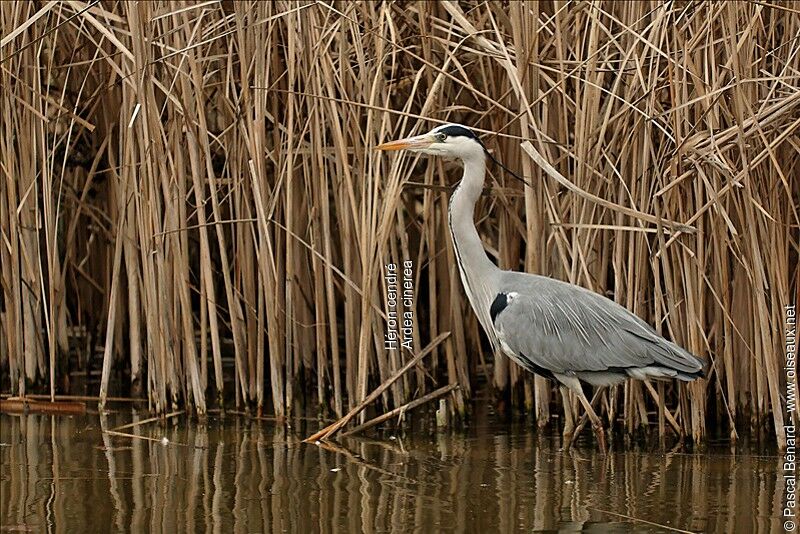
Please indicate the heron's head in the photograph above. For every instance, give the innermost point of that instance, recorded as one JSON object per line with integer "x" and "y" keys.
{"x": 453, "y": 140}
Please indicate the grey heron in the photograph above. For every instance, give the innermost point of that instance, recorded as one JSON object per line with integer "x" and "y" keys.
{"x": 551, "y": 328}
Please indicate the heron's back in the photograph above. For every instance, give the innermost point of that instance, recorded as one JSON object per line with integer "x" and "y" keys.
{"x": 564, "y": 328}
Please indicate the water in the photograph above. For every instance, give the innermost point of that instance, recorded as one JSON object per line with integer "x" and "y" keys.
{"x": 233, "y": 474}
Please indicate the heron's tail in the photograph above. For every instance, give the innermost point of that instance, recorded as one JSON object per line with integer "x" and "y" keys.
{"x": 688, "y": 377}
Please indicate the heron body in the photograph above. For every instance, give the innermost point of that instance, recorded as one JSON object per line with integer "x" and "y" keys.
{"x": 552, "y": 328}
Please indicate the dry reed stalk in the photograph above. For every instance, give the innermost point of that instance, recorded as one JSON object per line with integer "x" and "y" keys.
{"x": 400, "y": 410}
{"x": 79, "y": 398}
{"x": 330, "y": 430}
{"x": 22, "y": 405}
{"x": 194, "y": 182}
{"x": 149, "y": 420}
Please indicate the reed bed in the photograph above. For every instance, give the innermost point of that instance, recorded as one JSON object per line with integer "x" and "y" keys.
{"x": 187, "y": 184}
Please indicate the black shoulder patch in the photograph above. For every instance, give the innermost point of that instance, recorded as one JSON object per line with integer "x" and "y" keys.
{"x": 457, "y": 131}
{"x": 536, "y": 369}
{"x": 499, "y": 304}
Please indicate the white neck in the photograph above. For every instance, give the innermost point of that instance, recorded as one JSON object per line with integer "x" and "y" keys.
{"x": 475, "y": 267}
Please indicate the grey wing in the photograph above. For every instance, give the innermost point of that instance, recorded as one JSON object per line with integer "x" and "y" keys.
{"x": 561, "y": 328}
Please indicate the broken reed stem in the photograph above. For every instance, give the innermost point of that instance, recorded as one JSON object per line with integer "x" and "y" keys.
{"x": 330, "y": 430}
{"x": 638, "y": 520}
{"x": 145, "y": 438}
{"x": 558, "y": 177}
{"x": 28, "y": 405}
{"x": 150, "y": 420}
{"x": 402, "y": 409}
{"x": 78, "y": 398}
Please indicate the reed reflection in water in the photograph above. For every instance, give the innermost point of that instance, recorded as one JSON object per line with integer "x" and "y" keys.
{"x": 232, "y": 474}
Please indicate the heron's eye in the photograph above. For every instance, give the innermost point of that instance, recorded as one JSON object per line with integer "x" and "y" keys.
{"x": 441, "y": 137}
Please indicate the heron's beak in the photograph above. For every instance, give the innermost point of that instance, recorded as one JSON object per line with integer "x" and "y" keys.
{"x": 409, "y": 143}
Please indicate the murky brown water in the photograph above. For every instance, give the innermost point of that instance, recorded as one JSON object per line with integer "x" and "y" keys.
{"x": 63, "y": 474}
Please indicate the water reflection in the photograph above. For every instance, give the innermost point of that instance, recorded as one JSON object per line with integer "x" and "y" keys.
{"x": 63, "y": 474}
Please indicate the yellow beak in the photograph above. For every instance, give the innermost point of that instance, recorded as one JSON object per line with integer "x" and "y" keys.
{"x": 409, "y": 143}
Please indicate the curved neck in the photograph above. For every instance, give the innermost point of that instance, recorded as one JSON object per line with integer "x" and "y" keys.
{"x": 476, "y": 269}
{"x": 469, "y": 248}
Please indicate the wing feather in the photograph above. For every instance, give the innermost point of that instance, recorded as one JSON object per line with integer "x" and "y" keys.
{"x": 564, "y": 328}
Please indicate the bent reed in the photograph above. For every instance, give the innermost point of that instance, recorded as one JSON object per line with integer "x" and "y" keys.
{"x": 191, "y": 189}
